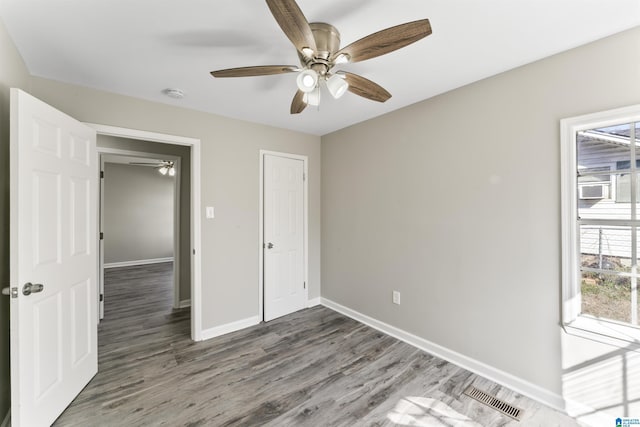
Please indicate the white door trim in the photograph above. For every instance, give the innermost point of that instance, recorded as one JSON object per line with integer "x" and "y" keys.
{"x": 196, "y": 269}
{"x": 305, "y": 161}
{"x": 176, "y": 215}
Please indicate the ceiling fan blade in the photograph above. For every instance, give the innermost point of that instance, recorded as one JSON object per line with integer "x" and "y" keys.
{"x": 386, "y": 41}
{"x": 146, "y": 164}
{"x": 293, "y": 22}
{"x": 298, "y": 104}
{"x": 365, "y": 87}
{"x": 260, "y": 70}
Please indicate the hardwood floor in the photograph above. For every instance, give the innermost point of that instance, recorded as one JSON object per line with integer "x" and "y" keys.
{"x": 315, "y": 367}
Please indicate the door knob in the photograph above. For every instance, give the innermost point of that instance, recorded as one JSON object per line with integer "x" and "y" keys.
{"x": 29, "y": 288}
{"x": 269, "y": 245}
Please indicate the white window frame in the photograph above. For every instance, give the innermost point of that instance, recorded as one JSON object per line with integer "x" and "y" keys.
{"x": 572, "y": 320}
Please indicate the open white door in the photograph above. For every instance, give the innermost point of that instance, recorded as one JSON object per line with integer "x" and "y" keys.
{"x": 284, "y": 224}
{"x": 101, "y": 241}
{"x": 53, "y": 238}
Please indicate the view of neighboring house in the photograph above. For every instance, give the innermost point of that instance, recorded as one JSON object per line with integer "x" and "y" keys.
{"x": 608, "y": 196}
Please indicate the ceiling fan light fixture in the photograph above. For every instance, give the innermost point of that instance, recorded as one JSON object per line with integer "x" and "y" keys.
{"x": 163, "y": 170}
{"x": 307, "y": 52}
{"x": 172, "y": 171}
{"x": 337, "y": 86}
{"x": 313, "y": 97}
{"x": 343, "y": 58}
{"x": 307, "y": 80}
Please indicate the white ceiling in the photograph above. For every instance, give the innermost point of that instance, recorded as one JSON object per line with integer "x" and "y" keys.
{"x": 140, "y": 47}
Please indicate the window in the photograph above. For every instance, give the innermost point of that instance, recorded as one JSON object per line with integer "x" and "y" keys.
{"x": 601, "y": 219}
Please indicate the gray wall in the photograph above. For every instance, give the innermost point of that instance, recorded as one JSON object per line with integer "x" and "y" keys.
{"x": 230, "y": 182}
{"x": 184, "y": 153}
{"x": 13, "y": 73}
{"x": 138, "y": 213}
{"x": 455, "y": 202}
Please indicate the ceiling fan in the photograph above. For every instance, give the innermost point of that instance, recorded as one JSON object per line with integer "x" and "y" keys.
{"x": 318, "y": 46}
{"x": 164, "y": 166}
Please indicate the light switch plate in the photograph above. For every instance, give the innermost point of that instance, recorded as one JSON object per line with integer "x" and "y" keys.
{"x": 396, "y": 297}
{"x": 210, "y": 212}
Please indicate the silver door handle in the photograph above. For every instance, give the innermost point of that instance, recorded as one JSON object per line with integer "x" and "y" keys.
{"x": 29, "y": 288}
{"x": 269, "y": 245}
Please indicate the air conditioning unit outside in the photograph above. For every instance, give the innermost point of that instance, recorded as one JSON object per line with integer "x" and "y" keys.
{"x": 593, "y": 191}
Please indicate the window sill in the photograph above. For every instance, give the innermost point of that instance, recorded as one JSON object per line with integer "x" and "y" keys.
{"x": 611, "y": 333}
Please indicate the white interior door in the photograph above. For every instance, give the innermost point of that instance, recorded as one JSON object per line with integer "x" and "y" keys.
{"x": 284, "y": 259}
{"x": 101, "y": 294}
{"x": 53, "y": 242}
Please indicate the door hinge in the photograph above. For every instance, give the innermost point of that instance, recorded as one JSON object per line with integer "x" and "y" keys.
{"x": 101, "y": 174}
{"x": 101, "y": 235}
{"x": 101, "y": 297}
{"x": 304, "y": 176}
{"x": 304, "y": 284}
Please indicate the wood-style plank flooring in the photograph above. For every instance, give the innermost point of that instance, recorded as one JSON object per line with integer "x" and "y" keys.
{"x": 315, "y": 367}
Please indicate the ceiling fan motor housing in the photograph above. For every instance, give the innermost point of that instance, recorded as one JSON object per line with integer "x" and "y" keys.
{"x": 327, "y": 39}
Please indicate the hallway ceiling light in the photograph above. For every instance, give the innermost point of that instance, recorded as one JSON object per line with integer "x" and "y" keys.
{"x": 164, "y": 167}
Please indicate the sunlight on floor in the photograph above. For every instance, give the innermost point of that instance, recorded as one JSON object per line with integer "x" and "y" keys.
{"x": 422, "y": 411}
{"x": 603, "y": 386}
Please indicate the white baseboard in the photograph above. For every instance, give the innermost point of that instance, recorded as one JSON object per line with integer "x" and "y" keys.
{"x": 184, "y": 303}
{"x": 313, "y": 302}
{"x": 496, "y": 375}
{"x": 229, "y": 327}
{"x": 137, "y": 262}
{"x": 6, "y": 422}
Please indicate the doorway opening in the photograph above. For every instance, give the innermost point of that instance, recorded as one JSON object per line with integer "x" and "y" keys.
{"x": 140, "y": 218}
{"x": 187, "y": 247}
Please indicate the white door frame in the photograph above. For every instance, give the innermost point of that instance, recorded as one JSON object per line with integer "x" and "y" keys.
{"x": 261, "y": 242}
{"x": 196, "y": 269}
{"x": 176, "y": 214}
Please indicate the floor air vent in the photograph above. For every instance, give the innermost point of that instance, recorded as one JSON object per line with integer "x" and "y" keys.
{"x": 494, "y": 402}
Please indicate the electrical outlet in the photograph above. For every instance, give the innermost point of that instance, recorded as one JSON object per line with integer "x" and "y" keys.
{"x": 396, "y": 297}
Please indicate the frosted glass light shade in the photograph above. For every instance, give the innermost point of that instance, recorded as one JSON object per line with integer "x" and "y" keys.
{"x": 343, "y": 58}
{"x": 313, "y": 97}
{"x": 307, "y": 80}
{"x": 337, "y": 86}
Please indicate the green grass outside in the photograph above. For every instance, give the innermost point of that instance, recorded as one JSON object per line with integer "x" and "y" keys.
{"x": 606, "y": 299}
